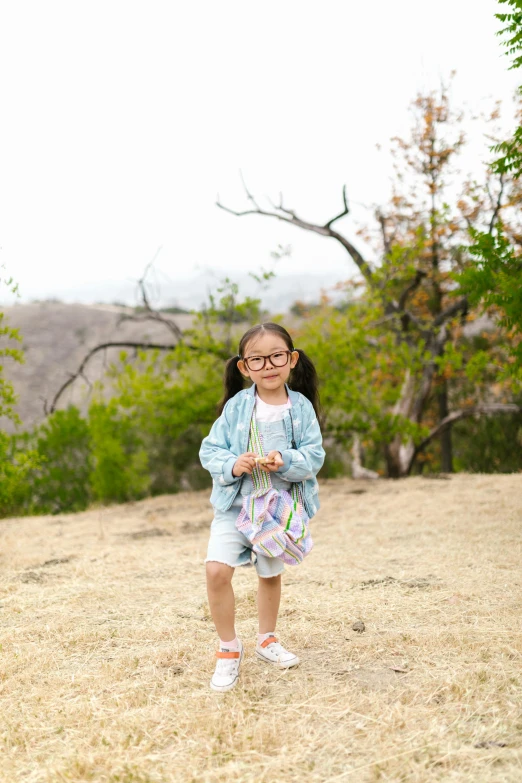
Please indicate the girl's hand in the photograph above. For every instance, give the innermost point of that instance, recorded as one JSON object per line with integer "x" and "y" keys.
{"x": 245, "y": 463}
{"x": 274, "y": 462}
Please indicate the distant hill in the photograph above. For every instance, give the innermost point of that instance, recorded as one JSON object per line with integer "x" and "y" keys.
{"x": 59, "y": 332}
{"x": 191, "y": 293}
{"x": 56, "y": 338}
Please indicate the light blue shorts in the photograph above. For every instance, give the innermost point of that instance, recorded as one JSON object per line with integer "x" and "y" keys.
{"x": 229, "y": 546}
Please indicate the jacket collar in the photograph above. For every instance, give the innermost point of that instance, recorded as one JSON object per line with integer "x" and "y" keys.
{"x": 294, "y": 396}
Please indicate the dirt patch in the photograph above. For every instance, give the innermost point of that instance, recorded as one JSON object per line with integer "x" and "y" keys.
{"x": 418, "y": 583}
{"x": 152, "y": 532}
{"x": 31, "y": 577}
{"x": 375, "y": 679}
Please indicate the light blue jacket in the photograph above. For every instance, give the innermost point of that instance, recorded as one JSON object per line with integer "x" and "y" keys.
{"x": 228, "y": 438}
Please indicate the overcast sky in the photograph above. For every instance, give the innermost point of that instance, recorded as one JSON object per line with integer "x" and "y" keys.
{"x": 121, "y": 121}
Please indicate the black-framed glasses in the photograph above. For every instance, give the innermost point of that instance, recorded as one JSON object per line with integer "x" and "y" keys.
{"x": 277, "y": 359}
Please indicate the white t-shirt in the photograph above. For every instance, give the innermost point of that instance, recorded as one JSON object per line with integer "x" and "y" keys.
{"x": 266, "y": 412}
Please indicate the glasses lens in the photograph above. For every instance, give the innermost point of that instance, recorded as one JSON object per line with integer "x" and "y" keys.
{"x": 279, "y": 359}
{"x": 255, "y": 362}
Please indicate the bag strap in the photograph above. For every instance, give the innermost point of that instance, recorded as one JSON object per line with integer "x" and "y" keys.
{"x": 261, "y": 478}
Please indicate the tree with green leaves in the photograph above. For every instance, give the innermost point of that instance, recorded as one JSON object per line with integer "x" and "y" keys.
{"x": 393, "y": 359}
{"x": 510, "y": 151}
{"x": 494, "y": 280}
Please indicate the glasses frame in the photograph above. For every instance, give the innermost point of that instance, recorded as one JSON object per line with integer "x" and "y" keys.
{"x": 259, "y": 369}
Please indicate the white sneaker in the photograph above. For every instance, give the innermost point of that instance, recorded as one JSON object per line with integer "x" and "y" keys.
{"x": 226, "y": 674}
{"x": 270, "y": 650}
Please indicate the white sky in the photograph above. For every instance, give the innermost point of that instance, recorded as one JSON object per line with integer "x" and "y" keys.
{"x": 121, "y": 121}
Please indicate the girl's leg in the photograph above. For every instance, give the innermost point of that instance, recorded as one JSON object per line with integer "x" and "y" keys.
{"x": 268, "y": 648}
{"x": 268, "y": 600}
{"x": 221, "y": 598}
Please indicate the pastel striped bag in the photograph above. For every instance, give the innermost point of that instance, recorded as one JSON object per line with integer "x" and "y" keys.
{"x": 274, "y": 521}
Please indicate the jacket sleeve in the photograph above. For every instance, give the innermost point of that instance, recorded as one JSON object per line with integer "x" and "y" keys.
{"x": 215, "y": 454}
{"x": 306, "y": 461}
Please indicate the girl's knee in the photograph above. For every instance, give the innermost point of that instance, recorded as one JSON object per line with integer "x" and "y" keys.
{"x": 218, "y": 574}
{"x": 270, "y": 580}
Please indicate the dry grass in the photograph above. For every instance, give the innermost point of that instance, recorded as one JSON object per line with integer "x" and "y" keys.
{"x": 107, "y": 646}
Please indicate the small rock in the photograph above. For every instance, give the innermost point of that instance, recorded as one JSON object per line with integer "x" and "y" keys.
{"x": 359, "y": 626}
{"x": 149, "y": 533}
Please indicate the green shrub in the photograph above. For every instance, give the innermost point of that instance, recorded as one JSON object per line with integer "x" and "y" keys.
{"x": 120, "y": 469}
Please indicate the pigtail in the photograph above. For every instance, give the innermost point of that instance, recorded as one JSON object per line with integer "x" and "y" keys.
{"x": 304, "y": 379}
{"x": 233, "y": 381}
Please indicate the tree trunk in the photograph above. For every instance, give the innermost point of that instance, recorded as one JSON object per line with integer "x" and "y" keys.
{"x": 392, "y": 463}
{"x": 399, "y": 457}
{"x": 358, "y": 471}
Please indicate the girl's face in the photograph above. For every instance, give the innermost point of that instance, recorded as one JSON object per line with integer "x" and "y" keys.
{"x": 277, "y": 364}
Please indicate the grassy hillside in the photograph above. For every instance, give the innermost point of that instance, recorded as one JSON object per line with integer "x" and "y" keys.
{"x": 107, "y": 644}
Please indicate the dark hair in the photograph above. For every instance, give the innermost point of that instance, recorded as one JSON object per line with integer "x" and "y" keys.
{"x": 303, "y": 377}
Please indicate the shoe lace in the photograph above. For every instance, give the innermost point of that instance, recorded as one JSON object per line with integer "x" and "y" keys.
{"x": 276, "y": 648}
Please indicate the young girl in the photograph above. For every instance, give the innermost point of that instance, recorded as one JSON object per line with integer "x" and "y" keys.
{"x": 287, "y": 420}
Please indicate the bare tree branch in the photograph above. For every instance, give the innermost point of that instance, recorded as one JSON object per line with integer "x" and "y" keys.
{"x": 250, "y": 197}
{"x": 80, "y": 371}
{"x": 423, "y": 391}
{"x": 498, "y": 205}
{"x": 405, "y": 316}
{"x": 476, "y": 410}
{"x": 449, "y": 312}
{"x": 87, "y": 381}
{"x": 393, "y": 311}
{"x": 154, "y": 316}
{"x": 385, "y": 239}
{"x": 345, "y": 211}
{"x": 150, "y": 313}
{"x": 280, "y": 212}
{"x": 419, "y": 275}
